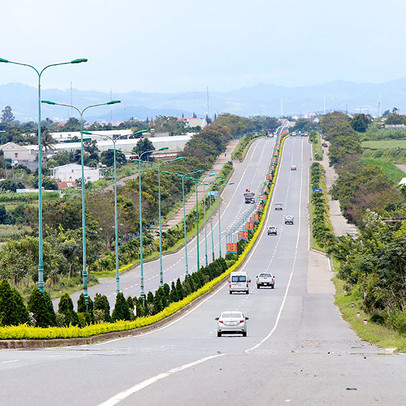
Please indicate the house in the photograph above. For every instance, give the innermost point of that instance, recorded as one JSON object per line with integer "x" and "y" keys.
{"x": 18, "y": 153}
{"x": 71, "y": 172}
{"x": 194, "y": 122}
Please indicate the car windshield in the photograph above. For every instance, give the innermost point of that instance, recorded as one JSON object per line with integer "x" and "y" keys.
{"x": 231, "y": 315}
{"x": 238, "y": 278}
{"x": 265, "y": 275}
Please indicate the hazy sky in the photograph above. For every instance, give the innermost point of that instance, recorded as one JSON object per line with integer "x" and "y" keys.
{"x": 179, "y": 45}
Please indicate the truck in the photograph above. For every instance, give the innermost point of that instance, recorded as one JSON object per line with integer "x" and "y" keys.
{"x": 249, "y": 197}
{"x": 266, "y": 279}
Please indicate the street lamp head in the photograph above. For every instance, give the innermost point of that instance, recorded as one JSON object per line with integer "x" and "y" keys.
{"x": 87, "y": 132}
{"x": 199, "y": 171}
{"x": 3, "y": 60}
{"x": 141, "y": 132}
{"x": 113, "y": 102}
{"x": 48, "y": 102}
{"x": 212, "y": 174}
{"x": 80, "y": 60}
{"x": 179, "y": 158}
{"x": 162, "y": 148}
{"x": 166, "y": 172}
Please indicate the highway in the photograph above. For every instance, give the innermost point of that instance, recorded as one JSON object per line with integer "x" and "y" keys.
{"x": 248, "y": 174}
{"x": 298, "y": 350}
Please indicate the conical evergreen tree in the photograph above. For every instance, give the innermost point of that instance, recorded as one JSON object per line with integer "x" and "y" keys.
{"x": 20, "y": 311}
{"x": 101, "y": 303}
{"x": 66, "y": 308}
{"x": 7, "y": 305}
{"x": 121, "y": 310}
{"x": 40, "y": 305}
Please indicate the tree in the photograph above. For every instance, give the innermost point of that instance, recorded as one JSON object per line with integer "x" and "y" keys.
{"x": 49, "y": 184}
{"x": 40, "y": 305}
{"x": 101, "y": 303}
{"x": 11, "y": 185}
{"x": 7, "y": 304}
{"x": 47, "y": 142}
{"x": 107, "y": 158}
{"x": 121, "y": 310}
{"x": 144, "y": 145}
{"x": 7, "y": 115}
{"x": 66, "y": 309}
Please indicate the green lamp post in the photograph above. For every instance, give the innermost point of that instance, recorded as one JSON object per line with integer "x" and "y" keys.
{"x": 217, "y": 187}
{"x": 139, "y": 160}
{"x": 114, "y": 140}
{"x": 81, "y": 112}
{"x": 161, "y": 275}
{"x": 40, "y": 244}
{"x": 183, "y": 176}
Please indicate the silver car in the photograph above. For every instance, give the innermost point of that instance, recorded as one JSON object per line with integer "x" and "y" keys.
{"x": 232, "y": 322}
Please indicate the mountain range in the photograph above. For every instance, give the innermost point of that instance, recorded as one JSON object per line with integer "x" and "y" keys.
{"x": 262, "y": 99}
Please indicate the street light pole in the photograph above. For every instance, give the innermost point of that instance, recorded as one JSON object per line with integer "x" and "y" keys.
{"x": 183, "y": 175}
{"x": 161, "y": 275}
{"x": 142, "y": 292}
{"x": 40, "y": 242}
{"x": 81, "y": 112}
{"x": 113, "y": 140}
{"x": 218, "y": 189}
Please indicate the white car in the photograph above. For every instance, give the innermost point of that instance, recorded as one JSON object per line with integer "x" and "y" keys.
{"x": 289, "y": 220}
{"x": 293, "y": 167}
{"x": 232, "y": 322}
{"x": 272, "y": 230}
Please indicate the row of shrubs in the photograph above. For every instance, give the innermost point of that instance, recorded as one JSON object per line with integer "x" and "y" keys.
{"x": 242, "y": 147}
{"x": 39, "y": 311}
{"x": 314, "y": 138}
{"x": 321, "y": 226}
{"x": 129, "y": 251}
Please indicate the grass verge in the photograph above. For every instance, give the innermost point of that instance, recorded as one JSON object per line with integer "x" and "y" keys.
{"x": 374, "y": 333}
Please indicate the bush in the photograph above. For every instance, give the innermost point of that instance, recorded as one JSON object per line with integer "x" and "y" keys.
{"x": 121, "y": 310}
{"x": 66, "y": 309}
{"x": 12, "y": 308}
{"x": 102, "y": 306}
{"x": 40, "y": 305}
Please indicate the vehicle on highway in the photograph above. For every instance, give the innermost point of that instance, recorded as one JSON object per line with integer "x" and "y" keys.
{"x": 288, "y": 219}
{"x": 239, "y": 282}
{"x": 232, "y": 322}
{"x": 249, "y": 197}
{"x": 265, "y": 279}
{"x": 278, "y": 206}
{"x": 293, "y": 167}
{"x": 272, "y": 230}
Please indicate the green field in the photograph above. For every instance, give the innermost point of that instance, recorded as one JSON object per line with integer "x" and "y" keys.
{"x": 384, "y": 144}
{"x": 390, "y": 169}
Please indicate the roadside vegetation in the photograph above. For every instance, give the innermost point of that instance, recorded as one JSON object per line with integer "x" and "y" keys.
{"x": 371, "y": 266}
{"x": 38, "y": 319}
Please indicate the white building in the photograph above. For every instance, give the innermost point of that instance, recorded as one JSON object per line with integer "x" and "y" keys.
{"x": 19, "y": 153}
{"x": 71, "y": 172}
{"x": 70, "y": 135}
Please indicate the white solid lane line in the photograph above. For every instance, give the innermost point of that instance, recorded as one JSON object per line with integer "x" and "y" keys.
{"x": 10, "y": 361}
{"x": 114, "y": 400}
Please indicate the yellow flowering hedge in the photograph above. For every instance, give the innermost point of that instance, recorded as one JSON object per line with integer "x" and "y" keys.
{"x": 28, "y": 332}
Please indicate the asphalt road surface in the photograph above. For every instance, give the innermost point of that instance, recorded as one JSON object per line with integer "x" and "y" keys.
{"x": 298, "y": 350}
{"x": 249, "y": 174}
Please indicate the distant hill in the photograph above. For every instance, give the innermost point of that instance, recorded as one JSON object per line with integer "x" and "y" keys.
{"x": 260, "y": 99}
